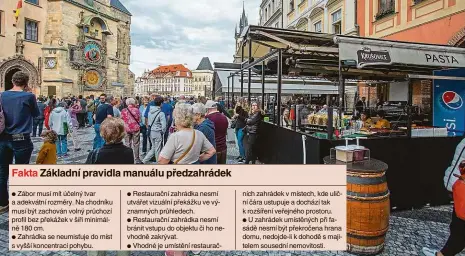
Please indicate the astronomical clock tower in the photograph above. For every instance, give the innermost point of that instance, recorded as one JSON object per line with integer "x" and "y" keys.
{"x": 87, "y": 48}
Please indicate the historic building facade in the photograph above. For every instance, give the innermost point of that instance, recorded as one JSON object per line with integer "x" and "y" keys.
{"x": 173, "y": 80}
{"x": 271, "y": 13}
{"x": 203, "y": 78}
{"x": 326, "y": 16}
{"x": 425, "y": 21}
{"x": 67, "y": 46}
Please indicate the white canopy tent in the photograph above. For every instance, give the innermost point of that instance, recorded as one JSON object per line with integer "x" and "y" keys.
{"x": 289, "y": 86}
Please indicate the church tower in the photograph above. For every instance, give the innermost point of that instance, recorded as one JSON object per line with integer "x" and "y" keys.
{"x": 239, "y": 29}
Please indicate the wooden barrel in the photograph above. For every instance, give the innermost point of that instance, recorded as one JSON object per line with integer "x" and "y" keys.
{"x": 368, "y": 206}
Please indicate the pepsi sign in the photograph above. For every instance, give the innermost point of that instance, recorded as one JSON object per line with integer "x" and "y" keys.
{"x": 448, "y": 105}
{"x": 452, "y": 100}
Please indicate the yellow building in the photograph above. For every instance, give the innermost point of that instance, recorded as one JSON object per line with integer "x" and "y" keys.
{"x": 326, "y": 16}
{"x": 203, "y": 78}
{"x": 68, "y": 47}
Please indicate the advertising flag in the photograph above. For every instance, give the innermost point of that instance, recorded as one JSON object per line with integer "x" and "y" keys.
{"x": 448, "y": 102}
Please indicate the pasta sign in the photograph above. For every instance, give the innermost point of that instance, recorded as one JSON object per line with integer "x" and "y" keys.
{"x": 444, "y": 59}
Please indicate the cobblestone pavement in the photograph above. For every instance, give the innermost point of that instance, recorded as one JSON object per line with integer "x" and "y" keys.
{"x": 409, "y": 230}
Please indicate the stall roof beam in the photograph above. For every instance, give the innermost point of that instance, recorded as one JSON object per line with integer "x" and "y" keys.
{"x": 276, "y": 38}
{"x": 257, "y": 61}
{"x": 436, "y": 77}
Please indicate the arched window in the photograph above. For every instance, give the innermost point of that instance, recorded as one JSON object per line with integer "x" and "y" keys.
{"x": 302, "y": 24}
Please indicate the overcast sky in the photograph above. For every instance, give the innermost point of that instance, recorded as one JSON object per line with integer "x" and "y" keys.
{"x": 183, "y": 31}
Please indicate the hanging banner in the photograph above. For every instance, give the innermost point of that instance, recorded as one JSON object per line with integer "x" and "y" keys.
{"x": 448, "y": 102}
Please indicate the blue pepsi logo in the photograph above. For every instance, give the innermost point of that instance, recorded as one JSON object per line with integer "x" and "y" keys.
{"x": 452, "y": 100}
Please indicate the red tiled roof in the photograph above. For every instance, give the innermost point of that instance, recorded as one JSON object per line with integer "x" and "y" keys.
{"x": 184, "y": 72}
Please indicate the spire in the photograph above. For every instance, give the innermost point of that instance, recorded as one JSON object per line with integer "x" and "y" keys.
{"x": 235, "y": 29}
{"x": 244, "y": 17}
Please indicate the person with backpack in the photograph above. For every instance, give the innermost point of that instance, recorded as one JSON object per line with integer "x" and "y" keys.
{"x": 60, "y": 122}
{"x": 156, "y": 127}
{"x": 454, "y": 181}
{"x": 131, "y": 118}
{"x": 18, "y": 107}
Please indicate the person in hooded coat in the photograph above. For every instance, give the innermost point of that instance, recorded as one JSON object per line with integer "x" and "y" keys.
{"x": 206, "y": 126}
{"x": 156, "y": 127}
{"x": 60, "y": 122}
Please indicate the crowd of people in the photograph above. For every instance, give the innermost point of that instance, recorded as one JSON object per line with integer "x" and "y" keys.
{"x": 171, "y": 131}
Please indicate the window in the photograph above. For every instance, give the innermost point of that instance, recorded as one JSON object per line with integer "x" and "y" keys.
{"x": 385, "y": 7}
{"x": 31, "y": 28}
{"x": 336, "y": 18}
{"x": 291, "y": 5}
{"x": 317, "y": 26}
{"x": 71, "y": 54}
{"x": 36, "y": 2}
{"x": 273, "y": 6}
{"x": 276, "y": 25}
{"x": 266, "y": 14}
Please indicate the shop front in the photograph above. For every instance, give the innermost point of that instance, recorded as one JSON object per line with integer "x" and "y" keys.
{"x": 416, "y": 147}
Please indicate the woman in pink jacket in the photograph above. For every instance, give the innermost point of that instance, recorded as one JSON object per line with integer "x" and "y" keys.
{"x": 132, "y": 120}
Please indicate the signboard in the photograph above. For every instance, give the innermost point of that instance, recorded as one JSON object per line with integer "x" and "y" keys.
{"x": 448, "y": 102}
{"x": 366, "y": 57}
{"x": 371, "y": 52}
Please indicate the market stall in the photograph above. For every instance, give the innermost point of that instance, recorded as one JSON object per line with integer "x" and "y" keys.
{"x": 417, "y": 154}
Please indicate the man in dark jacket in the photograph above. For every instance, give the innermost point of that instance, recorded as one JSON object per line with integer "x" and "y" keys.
{"x": 38, "y": 122}
{"x": 240, "y": 119}
{"x": 219, "y": 107}
{"x": 83, "y": 113}
{"x": 221, "y": 130}
{"x": 253, "y": 126}
{"x": 19, "y": 109}
{"x": 206, "y": 126}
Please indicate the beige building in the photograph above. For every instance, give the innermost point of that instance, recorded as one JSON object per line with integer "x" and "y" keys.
{"x": 67, "y": 47}
{"x": 271, "y": 13}
{"x": 173, "y": 80}
{"x": 326, "y": 16}
{"x": 203, "y": 78}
